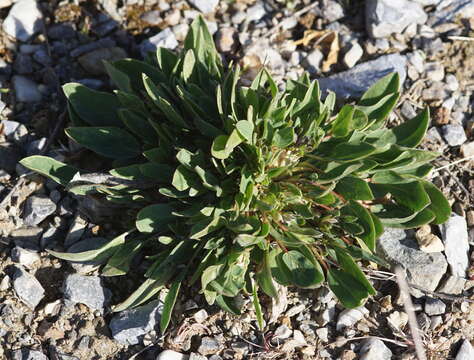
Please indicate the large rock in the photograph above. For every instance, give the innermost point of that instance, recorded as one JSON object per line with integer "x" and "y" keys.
{"x": 465, "y": 352}
{"x": 87, "y": 290}
{"x": 451, "y": 11}
{"x": 422, "y": 269}
{"x": 28, "y": 289}
{"x": 93, "y": 62}
{"x": 24, "y": 20}
{"x": 385, "y": 17}
{"x": 130, "y": 325}
{"x": 37, "y": 209}
{"x": 354, "y": 82}
{"x": 456, "y": 244}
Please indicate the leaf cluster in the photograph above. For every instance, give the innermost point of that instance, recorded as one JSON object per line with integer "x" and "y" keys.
{"x": 240, "y": 187}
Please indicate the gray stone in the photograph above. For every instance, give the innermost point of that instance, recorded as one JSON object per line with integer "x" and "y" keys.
{"x": 130, "y": 325}
{"x": 24, "y": 20}
{"x": 102, "y": 43}
{"x": 14, "y": 131}
{"x": 353, "y": 55}
{"x": 456, "y": 244}
{"x": 93, "y": 62}
{"x": 24, "y": 257}
{"x": 349, "y": 317}
{"x": 37, "y": 209}
{"x": 434, "y": 307}
{"x": 374, "y": 349}
{"x": 354, "y": 82}
{"x": 205, "y": 6}
{"x": 87, "y": 290}
{"x": 209, "y": 345}
{"x": 312, "y": 62}
{"x": 282, "y": 332}
{"x": 153, "y": 17}
{"x": 61, "y": 32}
{"x": 256, "y": 12}
{"x": 452, "y": 285}
{"x": 332, "y": 11}
{"x": 171, "y": 355}
{"x": 26, "y": 90}
{"x": 41, "y": 56}
{"x": 28, "y": 289}
{"x": 452, "y": 10}
{"x": 23, "y": 64}
{"x": 422, "y": 269}
{"x": 385, "y": 17}
{"x": 465, "y": 352}
{"x": 267, "y": 55}
{"x": 93, "y": 243}
{"x": 28, "y": 354}
{"x": 165, "y": 39}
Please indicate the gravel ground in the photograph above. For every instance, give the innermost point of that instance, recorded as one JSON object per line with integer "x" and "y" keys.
{"x": 53, "y": 309}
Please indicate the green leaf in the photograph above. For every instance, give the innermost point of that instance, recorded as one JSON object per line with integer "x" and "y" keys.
{"x": 354, "y": 188}
{"x": 138, "y": 125}
{"x": 227, "y": 304}
{"x": 53, "y": 169}
{"x": 257, "y": 306}
{"x": 425, "y": 216}
{"x": 284, "y": 137}
{"x": 94, "y": 107}
{"x": 342, "y": 124}
{"x": 365, "y": 219}
{"x": 245, "y": 129}
{"x": 411, "y": 195}
{"x": 119, "y": 78}
{"x": 348, "y": 290}
{"x": 264, "y": 276}
{"x": 204, "y": 227}
{"x": 303, "y": 272}
{"x": 154, "y": 218}
{"x": 119, "y": 263}
{"x": 439, "y": 204}
{"x": 351, "y": 151}
{"x": 387, "y": 85}
{"x": 111, "y": 142}
{"x": 410, "y": 133}
{"x": 168, "y": 305}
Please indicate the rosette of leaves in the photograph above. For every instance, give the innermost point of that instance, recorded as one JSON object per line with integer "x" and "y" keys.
{"x": 240, "y": 188}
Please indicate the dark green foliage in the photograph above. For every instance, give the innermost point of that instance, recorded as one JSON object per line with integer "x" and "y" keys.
{"x": 242, "y": 187}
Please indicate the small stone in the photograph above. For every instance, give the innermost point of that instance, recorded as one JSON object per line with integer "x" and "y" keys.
{"x": 283, "y": 332}
{"x": 289, "y": 23}
{"x": 61, "y": 32}
{"x": 24, "y": 257}
{"x": 322, "y": 334}
{"x": 434, "y": 71}
{"x": 227, "y": 39}
{"x": 87, "y": 290}
{"x": 5, "y": 3}
{"x": 467, "y": 150}
{"x": 37, "y": 209}
{"x": 28, "y": 354}
{"x": 312, "y": 62}
{"x": 349, "y": 317}
{"x": 93, "y": 62}
{"x": 332, "y": 11}
{"x": 295, "y": 310}
{"x": 437, "y": 91}
{"x": 424, "y": 321}
{"x": 354, "y": 54}
{"x": 129, "y": 326}
{"x": 200, "y": 316}
{"x": 239, "y": 17}
{"x": 102, "y": 43}
{"x": 454, "y": 134}
{"x": 385, "y": 17}
{"x": 173, "y": 18}
{"x": 23, "y": 64}
{"x": 256, "y": 12}
{"x": 434, "y": 307}
{"x": 205, "y": 6}
{"x": 153, "y": 17}
{"x": 165, "y": 39}
{"x": 42, "y": 57}
{"x": 28, "y": 289}
{"x": 76, "y": 230}
{"x": 417, "y": 59}
{"x": 209, "y": 346}
{"x": 456, "y": 243}
{"x": 427, "y": 241}
{"x": 52, "y": 308}
{"x": 397, "y": 321}
{"x": 374, "y": 349}
{"x": 453, "y": 285}
{"x": 465, "y": 352}
{"x": 452, "y": 82}
{"x": 24, "y": 20}
{"x": 435, "y": 321}
{"x": 171, "y": 355}
{"x": 26, "y": 90}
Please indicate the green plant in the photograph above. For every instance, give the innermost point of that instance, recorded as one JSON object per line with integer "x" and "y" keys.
{"x": 242, "y": 187}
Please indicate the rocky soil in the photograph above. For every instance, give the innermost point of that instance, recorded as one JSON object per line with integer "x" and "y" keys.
{"x": 53, "y": 309}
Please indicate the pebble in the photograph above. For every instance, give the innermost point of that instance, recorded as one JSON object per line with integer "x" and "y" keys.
{"x": 465, "y": 352}
{"x": 294, "y": 310}
{"x": 200, "y": 316}
{"x": 400, "y": 248}
{"x": 226, "y": 39}
{"x": 455, "y": 236}
{"x": 434, "y": 71}
{"x": 209, "y": 345}
{"x": 283, "y": 332}
{"x": 349, "y": 317}
{"x": 171, "y": 355}
{"x": 23, "y": 64}
{"x": 256, "y": 12}
{"x": 205, "y": 6}
{"x": 165, "y": 39}
{"x": 374, "y": 349}
{"x": 312, "y": 62}
{"x": 26, "y": 90}
{"x": 397, "y": 320}
{"x": 452, "y": 82}
{"x": 24, "y": 257}
{"x": 434, "y": 307}
{"x": 452, "y": 285}
{"x": 129, "y": 326}
{"x": 437, "y": 91}
{"x": 332, "y": 11}
{"x": 385, "y": 17}
{"x": 61, "y": 31}
{"x": 37, "y": 209}
{"x": 24, "y": 20}
{"x": 173, "y": 18}
{"x": 92, "y": 62}
{"x": 323, "y": 334}
{"x": 354, "y": 82}
{"x": 467, "y": 149}
{"x": 102, "y": 43}
{"x": 28, "y": 354}
{"x": 353, "y": 55}
{"x": 417, "y": 59}
{"x": 427, "y": 241}
{"x": 52, "y": 308}
{"x": 435, "y": 321}
{"x": 5, "y": 283}
{"x": 76, "y": 230}
{"x": 87, "y": 290}
{"x": 267, "y": 55}
{"x": 27, "y": 287}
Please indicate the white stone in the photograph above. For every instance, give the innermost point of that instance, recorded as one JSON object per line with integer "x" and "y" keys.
{"x": 205, "y": 6}
{"x": 456, "y": 243}
{"x": 26, "y": 90}
{"x": 200, "y": 316}
{"x": 350, "y": 317}
{"x": 52, "y": 308}
{"x": 312, "y": 62}
{"x": 434, "y": 71}
{"x": 465, "y": 352}
{"x": 171, "y": 355}
{"x": 165, "y": 39}
{"x": 23, "y": 20}
{"x": 25, "y": 257}
{"x": 454, "y": 134}
{"x": 374, "y": 349}
{"x": 353, "y": 55}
